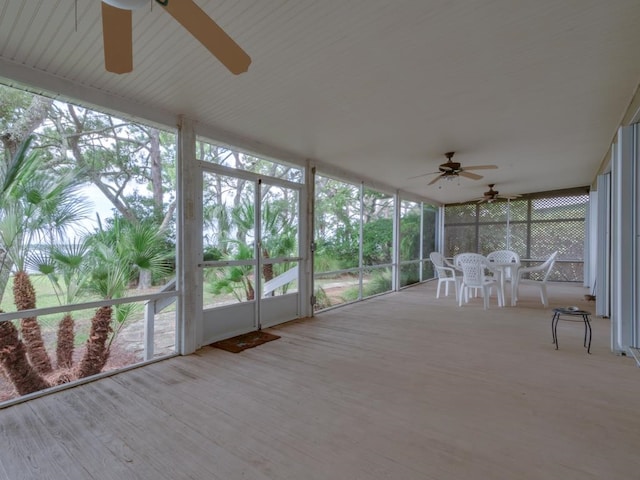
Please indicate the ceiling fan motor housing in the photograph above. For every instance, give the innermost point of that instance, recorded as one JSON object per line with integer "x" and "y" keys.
{"x": 450, "y": 167}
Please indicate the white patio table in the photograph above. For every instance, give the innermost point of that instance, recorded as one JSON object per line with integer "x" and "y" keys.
{"x": 504, "y": 269}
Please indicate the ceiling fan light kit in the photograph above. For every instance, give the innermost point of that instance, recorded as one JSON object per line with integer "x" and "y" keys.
{"x": 117, "y": 32}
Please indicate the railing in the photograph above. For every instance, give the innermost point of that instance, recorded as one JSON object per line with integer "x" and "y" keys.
{"x": 282, "y": 279}
{"x": 152, "y": 307}
{"x": 156, "y": 302}
{"x": 159, "y": 300}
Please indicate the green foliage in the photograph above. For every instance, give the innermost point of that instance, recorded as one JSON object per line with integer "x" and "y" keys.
{"x": 13, "y": 104}
{"x": 379, "y": 282}
{"x": 409, "y": 274}
{"x": 122, "y": 313}
{"x": 350, "y": 294}
{"x": 337, "y": 214}
{"x": 66, "y": 266}
{"x": 377, "y": 241}
{"x": 36, "y": 205}
{"x": 324, "y": 260}
{"x": 410, "y": 236}
{"x": 233, "y": 280}
{"x": 322, "y": 299}
{"x": 337, "y": 254}
{"x": 211, "y": 254}
{"x": 121, "y": 251}
{"x": 110, "y": 273}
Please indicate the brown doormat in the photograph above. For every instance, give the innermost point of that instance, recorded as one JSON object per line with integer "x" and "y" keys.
{"x": 242, "y": 342}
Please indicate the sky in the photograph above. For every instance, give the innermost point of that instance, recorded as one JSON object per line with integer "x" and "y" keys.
{"x": 100, "y": 205}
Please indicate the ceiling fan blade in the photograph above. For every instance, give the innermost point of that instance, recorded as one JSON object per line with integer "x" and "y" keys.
{"x": 435, "y": 180}
{"x": 473, "y": 176}
{"x": 203, "y": 28}
{"x": 118, "y": 39}
{"x": 481, "y": 167}
{"x": 423, "y": 175}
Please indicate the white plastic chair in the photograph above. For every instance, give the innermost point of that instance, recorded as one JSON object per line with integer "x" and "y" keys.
{"x": 446, "y": 274}
{"x": 474, "y": 266}
{"x": 505, "y": 256}
{"x": 505, "y": 263}
{"x": 545, "y": 269}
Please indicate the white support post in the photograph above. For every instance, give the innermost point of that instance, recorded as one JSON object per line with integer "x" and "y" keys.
{"x": 360, "y": 244}
{"x": 422, "y": 260}
{"x": 623, "y": 241}
{"x": 603, "y": 247}
{"x": 307, "y": 232}
{"x": 149, "y": 318}
{"x": 396, "y": 242}
{"x": 189, "y": 241}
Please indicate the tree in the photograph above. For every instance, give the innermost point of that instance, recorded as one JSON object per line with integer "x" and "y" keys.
{"x": 279, "y": 240}
{"x": 66, "y": 267}
{"x": 13, "y": 358}
{"x": 38, "y": 202}
{"x": 21, "y": 114}
{"x": 35, "y": 207}
{"x": 117, "y": 156}
{"x": 337, "y": 223}
{"x": 278, "y": 232}
{"x": 235, "y": 280}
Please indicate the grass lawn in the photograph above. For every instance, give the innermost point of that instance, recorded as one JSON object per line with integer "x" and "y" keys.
{"x": 45, "y": 297}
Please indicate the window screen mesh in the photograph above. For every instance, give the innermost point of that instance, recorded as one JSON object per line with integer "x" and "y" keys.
{"x": 535, "y": 228}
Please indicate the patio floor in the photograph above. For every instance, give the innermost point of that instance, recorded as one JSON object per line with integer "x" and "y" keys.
{"x": 402, "y": 386}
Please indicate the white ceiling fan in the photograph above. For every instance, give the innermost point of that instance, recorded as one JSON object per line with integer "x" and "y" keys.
{"x": 117, "y": 31}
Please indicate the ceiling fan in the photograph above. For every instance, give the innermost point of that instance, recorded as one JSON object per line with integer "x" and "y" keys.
{"x": 118, "y": 37}
{"x": 491, "y": 195}
{"x": 450, "y": 170}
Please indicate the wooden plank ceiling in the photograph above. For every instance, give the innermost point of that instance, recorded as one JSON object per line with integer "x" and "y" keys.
{"x": 379, "y": 88}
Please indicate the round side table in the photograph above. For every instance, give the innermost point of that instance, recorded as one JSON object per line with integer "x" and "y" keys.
{"x": 571, "y": 315}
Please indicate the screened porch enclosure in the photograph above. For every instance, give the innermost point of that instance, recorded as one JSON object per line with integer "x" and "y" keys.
{"x": 251, "y": 250}
{"x": 262, "y": 241}
{"x": 272, "y": 242}
{"x": 367, "y": 242}
{"x": 534, "y": 226}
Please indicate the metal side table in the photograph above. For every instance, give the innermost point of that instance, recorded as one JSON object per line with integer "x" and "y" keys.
{"x": 570, "y": 314}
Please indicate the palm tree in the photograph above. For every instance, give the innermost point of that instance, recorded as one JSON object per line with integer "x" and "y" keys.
{"x": 36, "y": 206}
{"x": 278, "y": 234}
{"x": 117, "y": 256}
{"x": 109, "y": 279}
{"x": 13, "y": 358}
{"x": 66, "y": 268}
{"x": 235, "y": 280}
{"x": 143, "y": 244}
{"x": 13, "y": 174}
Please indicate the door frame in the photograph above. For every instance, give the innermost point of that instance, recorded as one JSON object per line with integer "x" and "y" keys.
{"x": 235, "y": 319}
